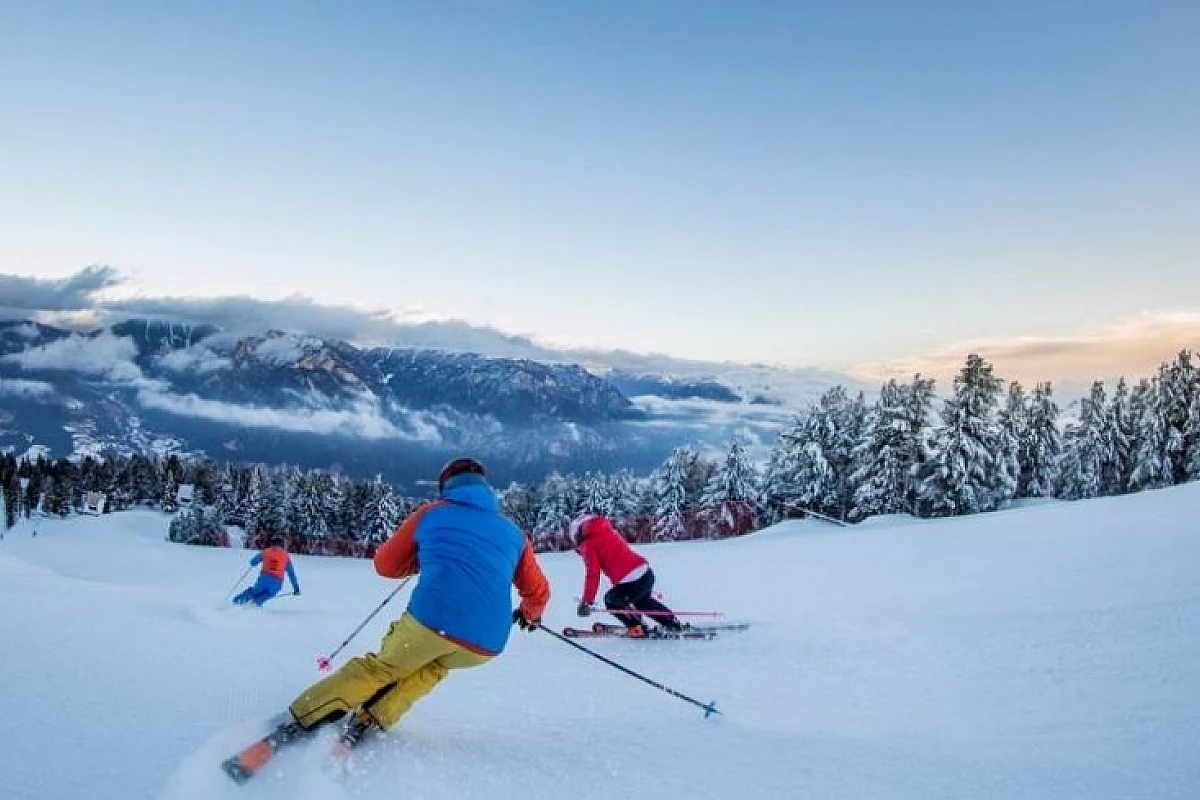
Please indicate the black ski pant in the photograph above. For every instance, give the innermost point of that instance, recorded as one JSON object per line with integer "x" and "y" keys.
{"x": 639, "y": 595}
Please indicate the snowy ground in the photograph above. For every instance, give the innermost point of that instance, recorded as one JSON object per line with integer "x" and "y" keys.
{"x": 1050, "y": 651}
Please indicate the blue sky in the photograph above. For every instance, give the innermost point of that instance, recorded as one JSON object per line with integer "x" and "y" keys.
{"x": 846, "y": 185}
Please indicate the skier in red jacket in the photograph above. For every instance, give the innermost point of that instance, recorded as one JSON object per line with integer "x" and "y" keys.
{"x": 604, "y": 550}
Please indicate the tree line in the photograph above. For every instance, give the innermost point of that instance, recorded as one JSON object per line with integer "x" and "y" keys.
{"x": 985, "y": 444}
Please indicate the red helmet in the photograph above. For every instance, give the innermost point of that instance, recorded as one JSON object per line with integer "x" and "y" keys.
{"x": 459, "y": 466}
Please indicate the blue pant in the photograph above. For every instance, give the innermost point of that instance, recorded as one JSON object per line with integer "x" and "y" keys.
{"x": 266, "y": 587}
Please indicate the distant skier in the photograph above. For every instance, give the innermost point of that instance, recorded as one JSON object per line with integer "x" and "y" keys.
{"x": 604, "y": 550}
{"x": 468, "y": 556}
{"x": 275, "y": 564}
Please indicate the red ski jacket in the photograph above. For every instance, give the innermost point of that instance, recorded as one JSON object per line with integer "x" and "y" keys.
{"x": 604, "y": 550}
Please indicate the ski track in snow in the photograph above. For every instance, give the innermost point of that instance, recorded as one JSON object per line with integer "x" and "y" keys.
{"x": 1048, "y": 651}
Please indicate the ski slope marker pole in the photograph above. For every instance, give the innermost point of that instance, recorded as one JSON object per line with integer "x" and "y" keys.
{"x": 238, "y": 583}
{"x": 709, "y": 708}
{"x": 324, "y": 662}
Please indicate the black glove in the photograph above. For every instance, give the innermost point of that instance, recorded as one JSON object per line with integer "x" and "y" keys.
{"x": 584, "y": 610}
{"x": 524, "y": 622}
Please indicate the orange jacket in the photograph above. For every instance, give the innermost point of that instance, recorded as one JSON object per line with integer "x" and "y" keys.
{"x": 275, "y": 562}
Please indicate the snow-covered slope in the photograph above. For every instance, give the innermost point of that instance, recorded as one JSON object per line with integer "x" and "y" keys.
{"x": 1045, "y": 652}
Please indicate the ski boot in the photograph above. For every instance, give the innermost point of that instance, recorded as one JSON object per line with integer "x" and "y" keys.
{"x": 242, "y": 766}
{"x": 359, "y": 725}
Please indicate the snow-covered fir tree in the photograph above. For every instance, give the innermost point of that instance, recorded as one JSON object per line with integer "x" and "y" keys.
{"x": 627, "y": 493}
{"x": 696, "y": 471}
{"x": 146, "y": 478}
{"x": 314, "y": 505}
{"x": 735, "y": 479}
{"x": 1150, "y": 466}
{"x": 171, "y": 473}
{"x": 1087, "y": 448}
{"x": 381, "y": 514}
{"x": 894, "y": 444}
{"x": 1013, "y": 424}
{"x": 1041, "y": 449}
{"x": 962, "y": 474}
{"x": 670, "y": 483}
{"x": 780, "y": 490}
{"x": 279, "y": 507}
{"x": 257, "y": 484}
{"x": 595, "y": 494}
{"x": 204, "y": 477}
{"x": 814, "y": 463}
{"x": 519, "y": 503}
{"x": 732, "y": 488}
{"x": 1178, "y": 385}
{"x": 556, "y": 511}
{"x": 1118, "y": 424}
{"x": 1192, "y": 440}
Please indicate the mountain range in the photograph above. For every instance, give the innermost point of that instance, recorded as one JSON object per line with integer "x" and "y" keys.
{"x": 159, "y": 386}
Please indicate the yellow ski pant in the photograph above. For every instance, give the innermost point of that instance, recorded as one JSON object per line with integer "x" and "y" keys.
{"x": 411, "y": 661}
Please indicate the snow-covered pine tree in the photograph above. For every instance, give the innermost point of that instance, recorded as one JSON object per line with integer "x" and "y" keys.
{"x": 555, "y": 512}
{"x": 381, "y": 514}
{"x": 312, "y": 508}
{"x": 255, "y": 502}
{"x": 182, "y": 528}
{"x": 735, "y": 479}
{"x": 34, "y": 491}
{"x": 519, "y": 503}
{"x": 146, "y": 476}
{"x": 671, "y": 495}
{"x": 1178, "y": 385}
{"x": 353, "y": 514}
{"x": 279, "y": 507}
{"x": 12, "y": 498}
{"x": 731, "y": 492}
{"x": 594, "y": 494}
{"x": 1192, "y": 440}
{"x": 1151, "y": 464}
{"x": 59, "y": 491}
{"x": 1118, "y": 424}
{"x": 696, "y": 471}
{"x": 627, "y": 493}
{"x": 203, "y": 475}
{"x": 1042, "y": 448}
{"x": 231, "y": 489}
{"x": 1013, "y": 424}
{"x": 170, "y": 482}
{"x": 1087, "y": 447}
{"x": 962, "y": 474}
{"x": 780, "y": 490}
{"x": 814, "y": 463}
{"x": 894, "y": 443}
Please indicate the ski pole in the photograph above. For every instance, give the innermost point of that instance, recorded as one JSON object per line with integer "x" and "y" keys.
{"x": 238, "y": 583}
{"x": 660, "y": 613}
{"x": 633, "y": 610}
{"x": 323, "y": 662}
{"x": 709, "y": 708}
